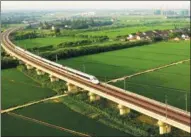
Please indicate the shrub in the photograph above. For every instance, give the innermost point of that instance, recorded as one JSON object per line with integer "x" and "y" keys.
{"x": 8, "y": 62}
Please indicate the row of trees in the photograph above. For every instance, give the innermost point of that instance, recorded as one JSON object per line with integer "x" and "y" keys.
{"x": 75, "y": 43}
{"x": 75, "y": 24}
{"x": 78, "y": 51}
{"x": 34, "y": 34}
{"x": 25, "y": 35}
{"x": 35, "y": 50}
{"x": 83, "y": 42}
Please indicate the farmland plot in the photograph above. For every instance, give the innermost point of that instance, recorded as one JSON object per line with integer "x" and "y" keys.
{"x": 60, "y": 115}
{"x": 119, "y": 63}
{"x": 18, "y": 89}
{"x": 172, "y": 81}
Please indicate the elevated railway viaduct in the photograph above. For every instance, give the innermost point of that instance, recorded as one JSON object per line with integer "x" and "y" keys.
{"x": 166, "y": 116}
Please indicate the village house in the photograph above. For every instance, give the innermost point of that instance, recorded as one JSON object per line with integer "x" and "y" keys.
{"x": 53, "y": 28}
{"x": 25, "y": 22}
{"x": 131, "y": 37}
{"x": 164, "y": 34}
{"x": 176, "y": 39}
{"x": 171, "y": 30}
{"x": 157, "y": 34}
{"x": 122, "y": 39}
{"x": 180, "y": 31}
{"x": 149, "y": 34}
{"x": 184, "y": 33}
{"x": 185, "y": 37}
{"x": 140, "y": 36}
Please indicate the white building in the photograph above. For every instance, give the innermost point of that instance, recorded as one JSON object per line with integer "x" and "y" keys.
{"x": 185, "y": 37}
{"x": 53, "y": 28}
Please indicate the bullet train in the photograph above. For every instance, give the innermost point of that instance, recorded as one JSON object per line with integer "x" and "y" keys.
{"x": 66, "y": 69}
{"x": 85, "y": 76}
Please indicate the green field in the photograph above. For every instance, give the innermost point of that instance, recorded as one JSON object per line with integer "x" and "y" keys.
{"x": 13, "y": 126}
{"x": 18, "y": 89}
{"x": 41, "y": 42}
{"x": 118, "y": 63}
{"x": 60, "y": 115}
{"x": 174, "y": 82}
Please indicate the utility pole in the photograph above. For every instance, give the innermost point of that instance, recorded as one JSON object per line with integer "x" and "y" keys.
{"x": 56, "y": 58}
{"x": 186, "y": 102}
{"x": 166, "y": 104}
{"x": 84, "y": 68}
{"x": 105, "y": 82}
{"x": 124, "y": 84}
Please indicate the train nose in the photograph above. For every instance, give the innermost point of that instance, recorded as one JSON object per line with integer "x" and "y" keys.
{"x": 96, "y": 82}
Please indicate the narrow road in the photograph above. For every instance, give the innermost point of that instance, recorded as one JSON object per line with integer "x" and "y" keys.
{"x": 147, "y": 71}
{"x": 31, "y": 103}
{"x": 48, "y": 124}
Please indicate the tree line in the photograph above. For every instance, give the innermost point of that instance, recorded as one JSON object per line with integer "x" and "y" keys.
{"x": 79, "y": 51}
{"x": 76, "y": 24}
{"x": 34, "y": 34}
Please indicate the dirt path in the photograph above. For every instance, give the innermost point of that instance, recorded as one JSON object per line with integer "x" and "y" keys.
{"x": 32, "y": 103}
{"x": 149, "y": 70}
{"x": 48, "y": 124}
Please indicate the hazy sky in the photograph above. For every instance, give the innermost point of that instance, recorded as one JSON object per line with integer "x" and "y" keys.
{"x": 43, "y": 5}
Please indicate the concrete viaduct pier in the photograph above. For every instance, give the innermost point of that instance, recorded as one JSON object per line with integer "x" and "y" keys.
{"x": 123, "y": 110}
{"x": 40, "y": 72}
{"x": 53, "y": 78}
{"x": 93, "y": 97}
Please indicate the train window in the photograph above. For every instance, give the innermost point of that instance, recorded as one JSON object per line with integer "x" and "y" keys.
{"x": 93, "y": 78}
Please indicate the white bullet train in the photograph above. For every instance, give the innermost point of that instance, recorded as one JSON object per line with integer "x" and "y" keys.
{"x": 85, "y": 76}
{"x": 68, "y": 70}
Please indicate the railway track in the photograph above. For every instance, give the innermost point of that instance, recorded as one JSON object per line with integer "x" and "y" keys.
{"x": 162, "y": 110}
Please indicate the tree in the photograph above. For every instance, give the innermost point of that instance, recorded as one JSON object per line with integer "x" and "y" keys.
{"x": 175, "y": 34}
{"x": 57, "y": 31}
